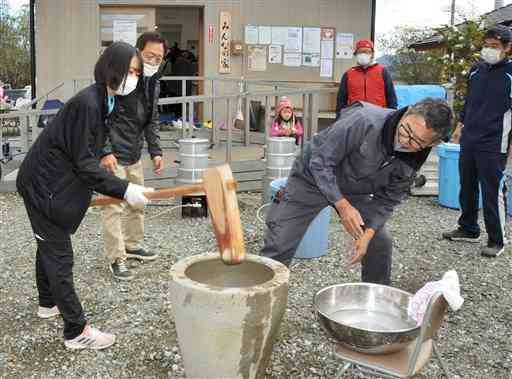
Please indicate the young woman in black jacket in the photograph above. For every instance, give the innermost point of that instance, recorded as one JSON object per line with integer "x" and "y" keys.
{"x": 56, "y": 181}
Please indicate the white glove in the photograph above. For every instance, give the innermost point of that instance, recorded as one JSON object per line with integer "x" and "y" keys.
{"x": 134, "y": 195}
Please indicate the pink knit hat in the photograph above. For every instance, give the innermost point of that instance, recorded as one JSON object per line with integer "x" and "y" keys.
{"x": 284, "y": 102}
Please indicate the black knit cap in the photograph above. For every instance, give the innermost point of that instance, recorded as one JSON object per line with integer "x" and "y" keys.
{"x": 499, "y": 32}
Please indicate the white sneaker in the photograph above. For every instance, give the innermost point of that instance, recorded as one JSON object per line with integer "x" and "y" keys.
{"x": 91, "y": 338}
{"x": 45, "y": 312}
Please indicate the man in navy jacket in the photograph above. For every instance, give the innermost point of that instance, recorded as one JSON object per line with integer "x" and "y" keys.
{"x": 484, "y": 129}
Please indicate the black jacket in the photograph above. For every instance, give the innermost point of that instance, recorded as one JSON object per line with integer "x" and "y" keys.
{"x": 487, "y": 108}
{"x": 135, "y": 116}
{"x": 62, "y": 168}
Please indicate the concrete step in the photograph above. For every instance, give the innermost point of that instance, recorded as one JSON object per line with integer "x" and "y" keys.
{"x": 430, "y": 170}
{"x": 429, "y": 189}
{"x": 429, "y": 173}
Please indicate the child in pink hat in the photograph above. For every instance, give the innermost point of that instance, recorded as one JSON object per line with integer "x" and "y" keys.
{"x": 286, "y": 124}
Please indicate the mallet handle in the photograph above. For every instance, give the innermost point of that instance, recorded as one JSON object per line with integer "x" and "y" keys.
{"x": 165, "y": 193}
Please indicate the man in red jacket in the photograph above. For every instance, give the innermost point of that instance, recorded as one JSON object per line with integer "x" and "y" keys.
{"x": 368, "y": 81}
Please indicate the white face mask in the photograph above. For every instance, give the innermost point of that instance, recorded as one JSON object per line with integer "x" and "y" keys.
{"x": 402, "y": 149}
{"x": 363, "y": 59}
{"x": 490, "y": 55}
{"x": 150, "y": 69}
{"x": 128, "y": 86}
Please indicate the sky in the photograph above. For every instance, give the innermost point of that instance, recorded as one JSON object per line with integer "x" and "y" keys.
{"x": 424, "y": 13}
{"x": 16, "y": 4}
{"x": 421, "y": 13}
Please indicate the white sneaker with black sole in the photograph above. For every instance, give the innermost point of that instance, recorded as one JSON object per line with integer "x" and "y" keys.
{"x": 91, "y": 338}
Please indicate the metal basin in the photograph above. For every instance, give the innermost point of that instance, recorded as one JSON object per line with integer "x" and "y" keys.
{"x": 366, "y": 317}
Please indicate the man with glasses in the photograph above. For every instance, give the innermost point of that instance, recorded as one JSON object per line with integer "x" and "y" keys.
{"x": 484, "y": 130}
{"x": 362, "y": 166}
{"x": 135, "y": 118}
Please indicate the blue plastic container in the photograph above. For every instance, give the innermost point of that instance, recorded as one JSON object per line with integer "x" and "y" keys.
{"x": 315, "y": 241}
{"x": 449, "y": 179}
{"x": 411, "y": 94}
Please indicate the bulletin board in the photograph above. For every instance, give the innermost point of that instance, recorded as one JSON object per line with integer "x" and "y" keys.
{"x": 305, "y": 53}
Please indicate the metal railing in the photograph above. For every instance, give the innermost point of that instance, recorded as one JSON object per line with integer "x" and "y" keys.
{"x": 219, "y": 103}
{"x": 26, "y": 121}
{"x": 310, "y": 111}
{"x": 44, "y": 97}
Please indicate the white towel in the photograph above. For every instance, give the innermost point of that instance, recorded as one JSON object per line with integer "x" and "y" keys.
{"x": 450, "y": 288}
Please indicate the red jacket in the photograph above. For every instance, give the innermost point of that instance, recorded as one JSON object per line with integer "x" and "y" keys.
{"x": 372, "y": 85}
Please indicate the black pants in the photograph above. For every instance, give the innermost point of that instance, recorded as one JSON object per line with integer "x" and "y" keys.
{"x": 54, "y": 271}
{"x": 288, "y": 220}
{"x": 486, "y": 169}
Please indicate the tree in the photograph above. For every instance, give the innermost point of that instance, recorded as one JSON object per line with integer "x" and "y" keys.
{"x": 462, "y": 51}
{"x": 407, "y": 65}
{"x": 15, "y": 48}
{"x": 449, "y": 63}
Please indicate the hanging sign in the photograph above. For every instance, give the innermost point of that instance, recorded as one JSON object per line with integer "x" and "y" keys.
{"x": 225, "y": 43}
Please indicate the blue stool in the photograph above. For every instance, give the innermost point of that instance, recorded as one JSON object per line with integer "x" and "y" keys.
{"x": 449, "y": 179}
{"x": 315, "y": 241}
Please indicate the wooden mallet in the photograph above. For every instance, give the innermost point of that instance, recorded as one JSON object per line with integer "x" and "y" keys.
{"x": 220, "y": 189}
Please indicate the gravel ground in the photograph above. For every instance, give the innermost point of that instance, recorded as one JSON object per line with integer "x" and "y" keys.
{"x": 476, "y": 342}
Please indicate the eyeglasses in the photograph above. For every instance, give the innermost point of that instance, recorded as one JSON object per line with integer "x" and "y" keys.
{"x": 152, "y": 58}
{"x": 415, "y": 142}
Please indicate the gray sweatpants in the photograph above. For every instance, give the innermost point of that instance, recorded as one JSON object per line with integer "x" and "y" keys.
{"x": 289, "y": 218}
